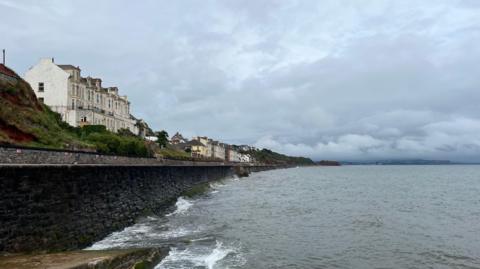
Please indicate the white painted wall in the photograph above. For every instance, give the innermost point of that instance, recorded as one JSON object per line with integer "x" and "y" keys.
{"x": 55, "y": 82}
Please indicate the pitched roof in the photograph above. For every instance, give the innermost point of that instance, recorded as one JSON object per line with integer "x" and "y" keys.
{"x": 67, "y": 66}
{"x": 195, "y": 143}
{"x": 178, "y": 136}
{"x": 7, "y": 71}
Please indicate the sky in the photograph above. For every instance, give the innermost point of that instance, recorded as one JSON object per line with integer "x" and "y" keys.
{"x": 326, "y": 79}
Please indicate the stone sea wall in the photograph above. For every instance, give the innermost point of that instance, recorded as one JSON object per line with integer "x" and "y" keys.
{"x": 68, "y": 207}
{"x": 24, "y": 155}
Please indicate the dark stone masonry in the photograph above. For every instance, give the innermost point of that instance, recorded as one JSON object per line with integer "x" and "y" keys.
{"x": 67, "y": 207}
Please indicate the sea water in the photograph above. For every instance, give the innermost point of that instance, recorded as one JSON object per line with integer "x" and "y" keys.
{"x": 322, "y": 217}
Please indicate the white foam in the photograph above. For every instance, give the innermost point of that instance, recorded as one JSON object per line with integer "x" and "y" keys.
{"x": 170, "y": 234}
{"x": 194, "y": 257}
{"x": 182, "y": 205}
{"x": 217, "y": 254}
{"x": 216, "y": 185}
{"x": 122, "y": 238}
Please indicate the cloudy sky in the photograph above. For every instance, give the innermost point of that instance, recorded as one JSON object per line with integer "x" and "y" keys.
{"x": 328, "y": 79}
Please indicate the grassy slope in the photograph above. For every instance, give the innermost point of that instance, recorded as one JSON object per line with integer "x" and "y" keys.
{"x": 170, "y": 152}
{"x": 23, "y": 120}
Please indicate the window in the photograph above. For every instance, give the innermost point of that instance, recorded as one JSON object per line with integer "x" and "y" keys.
{"x": 41, "y": 100}
{"x": 73, "y": 104}
{"x": 41, "y": 87}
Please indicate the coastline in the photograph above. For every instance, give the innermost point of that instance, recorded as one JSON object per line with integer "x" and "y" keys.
{"x": 162, "y": 208}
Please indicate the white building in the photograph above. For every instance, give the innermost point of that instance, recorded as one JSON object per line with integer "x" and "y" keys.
{"x": 233, "y": 155}
{"x": 80, "y": 101}
{"x": 246, "y": 158}
{"x": 218, "y": 150}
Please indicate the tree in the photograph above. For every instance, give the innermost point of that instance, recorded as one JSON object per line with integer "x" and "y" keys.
{"x": 162, "y": 138}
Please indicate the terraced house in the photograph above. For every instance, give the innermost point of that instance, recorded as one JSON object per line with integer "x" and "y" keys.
{"x": 80, "y": 101}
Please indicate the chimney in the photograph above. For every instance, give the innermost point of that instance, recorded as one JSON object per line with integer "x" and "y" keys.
{"x": 3, "y": 56}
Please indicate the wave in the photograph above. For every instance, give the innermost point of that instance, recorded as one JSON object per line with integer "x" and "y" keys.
{"x": 124, "y": 238}
{"x": 182, "y": 205}
{"x": 176, "y": 233}
{"x": 195, "y": 257}
{"x": 216, "y": 185}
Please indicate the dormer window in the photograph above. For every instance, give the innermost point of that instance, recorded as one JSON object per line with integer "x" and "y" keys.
{"x": 41, "y": 87}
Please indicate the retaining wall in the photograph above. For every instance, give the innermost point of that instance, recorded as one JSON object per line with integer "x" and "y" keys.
{"x": 70, "y": 207}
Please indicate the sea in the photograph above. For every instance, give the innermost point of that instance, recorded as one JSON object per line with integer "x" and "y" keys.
{"x": 322, "y": 217}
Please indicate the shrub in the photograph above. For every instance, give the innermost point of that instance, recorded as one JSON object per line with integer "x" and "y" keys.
{"x": 111, "y": 143}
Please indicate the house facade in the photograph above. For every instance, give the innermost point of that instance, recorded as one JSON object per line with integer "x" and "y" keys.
{"x": 218, "y": 151}
{"x": 203, "y": 146}
{"x": 79, "y": 100}
{"x": 177, "y": 138}
{"x": 232, "y": 155}
{"x": 205, "y": 149}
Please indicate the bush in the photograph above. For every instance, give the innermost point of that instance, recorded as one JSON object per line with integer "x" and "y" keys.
{"x": 125, "y": 132}
{"x": 88, "y": 129}
{"x": 110, "y": 143}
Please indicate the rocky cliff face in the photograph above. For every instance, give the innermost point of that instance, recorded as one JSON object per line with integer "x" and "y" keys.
{"x": 17, "y": 99}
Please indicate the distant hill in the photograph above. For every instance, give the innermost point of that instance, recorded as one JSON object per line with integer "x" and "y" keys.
{"x": 270, "y": 157}
{"x": 399, "y": 162}
{"x": 328, "y": 163}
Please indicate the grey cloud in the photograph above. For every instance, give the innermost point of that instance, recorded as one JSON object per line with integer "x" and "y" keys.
{"x": 326, "y": 79}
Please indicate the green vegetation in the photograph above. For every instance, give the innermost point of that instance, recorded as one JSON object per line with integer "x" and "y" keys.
{"x": 110, "y": 143}
{"x": 269, "y": 157}
{"x": 162, "y": 138}
{"x": 25, "y": 121}
{"x": 169, "y": 152}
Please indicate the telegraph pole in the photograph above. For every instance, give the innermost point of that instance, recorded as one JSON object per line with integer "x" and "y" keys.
{"x": 3, "y": 51}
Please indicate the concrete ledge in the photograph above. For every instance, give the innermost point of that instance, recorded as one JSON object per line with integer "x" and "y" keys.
{"x": 111, "y": 259}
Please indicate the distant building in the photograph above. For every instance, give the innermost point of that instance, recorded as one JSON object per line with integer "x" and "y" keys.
{"x": 202, "y": 146}
{"x": 205, "y": 149}
{"x": 232, "y": 155}
{"x": 177, "y": 138}
{"x": 143, "y": 129}
{"x": 246, "y": 158}
{"x": 198, "y": 149}
{"x": 80, "y": 101}
{"x": 246, "y": 148}
{"x": 218, "y": 150}
{"x": 151, "y": 138}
